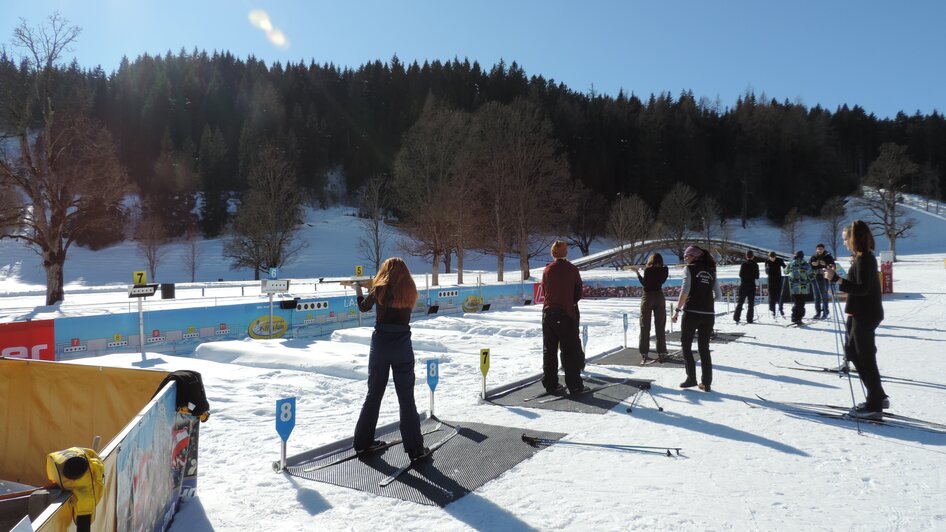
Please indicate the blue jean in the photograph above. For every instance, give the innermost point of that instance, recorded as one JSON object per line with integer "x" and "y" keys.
{"x": 822, "y": 295}
{"x": 391, "y": 350}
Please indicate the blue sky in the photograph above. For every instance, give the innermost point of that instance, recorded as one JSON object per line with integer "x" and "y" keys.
{"x": 885, "y": 56}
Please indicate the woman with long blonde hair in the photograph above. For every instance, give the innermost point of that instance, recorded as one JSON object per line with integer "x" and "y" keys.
{"x": 393, "y": 295}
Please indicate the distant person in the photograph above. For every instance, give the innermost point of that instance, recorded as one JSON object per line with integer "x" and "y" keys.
{"x": 700, "y": 289}
{"x": 864, "y": 311}
{"x": 393, "y": 295}
{"x": 653, "y": 303}
{"x": 561, "y": 284}
{"x": 748, "y": 275}
{"x": 773, "y": 270}
{"x": 799, "y": 284}
{"x": 819, "y": 261}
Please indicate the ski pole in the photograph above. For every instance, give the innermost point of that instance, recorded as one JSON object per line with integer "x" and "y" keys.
{"x": 535, "y": 441}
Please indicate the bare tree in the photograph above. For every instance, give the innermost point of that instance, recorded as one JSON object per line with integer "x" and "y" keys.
{"x": 264, "y": 228}
{"x": 151, "y": 237}
{"x": 708, "y": 213}
{"x": 677, "y": 217}
{"x": 524, "y": 178}
{"x": 491, "y": 171}
{"x": 373, "y": 205}
{"x": 631, "y": 221}
{"x": 64, "y": 173}
{"x": 463, "y": 223}
{"x": 423, "y": 168}
{"x": 887, "y": 178}
{"x": 590, "y": 219}
{"x": 833, "y": 212}
{"x": 791, "y": 225}
{"x": 193, "y": 255}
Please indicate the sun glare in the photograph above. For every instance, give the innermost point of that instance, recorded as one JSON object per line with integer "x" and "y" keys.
{"x": 261, "y": 20}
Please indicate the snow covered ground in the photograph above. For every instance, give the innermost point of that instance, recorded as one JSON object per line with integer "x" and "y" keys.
{"x": 741, "y": 468}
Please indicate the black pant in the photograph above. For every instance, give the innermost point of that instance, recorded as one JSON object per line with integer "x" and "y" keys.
{"x": 559, "y": 330}
{"x": 700, "y": 325}
{"x": 746, "y": 291}
{"x": 775, "y": 294}
{"x": 798, "y": 307}
{"x": 861, "y": 351}
{"x": 653, "y": 303}
{"x": 391, "y": 349}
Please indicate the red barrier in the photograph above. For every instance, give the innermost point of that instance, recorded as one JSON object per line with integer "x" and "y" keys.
{"x": 28, "y": 339}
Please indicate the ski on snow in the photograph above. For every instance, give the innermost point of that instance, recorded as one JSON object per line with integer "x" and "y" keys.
{"x": 887, "y": 415}
{"x": 365, "y": 452}
{"x": 546, "y": 393}
{"x": 536, "y": 441}
{"x": 840, "y": 412}
{"x": 430, "y": 450}
{"x": 806, "y": 367}
{"x": 841, "y": 370}
{"x": 579, "y": 394}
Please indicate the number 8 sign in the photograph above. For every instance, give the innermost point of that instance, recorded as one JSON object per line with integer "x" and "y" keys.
{"x": 285, "y": 417}
{"x": 433, "y": 373}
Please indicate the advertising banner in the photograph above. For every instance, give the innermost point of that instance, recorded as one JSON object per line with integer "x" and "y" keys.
{"x": 28, "y": 339}
{"x": 886, "y": 271}
{"x": 157, "y": 464}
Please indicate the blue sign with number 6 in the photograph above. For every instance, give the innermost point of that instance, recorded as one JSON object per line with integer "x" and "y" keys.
{"x": 433, "y": 373}
{"x": 285, "y": 417}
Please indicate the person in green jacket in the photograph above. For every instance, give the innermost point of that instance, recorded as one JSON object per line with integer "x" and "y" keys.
{"x": 799, "y": 284}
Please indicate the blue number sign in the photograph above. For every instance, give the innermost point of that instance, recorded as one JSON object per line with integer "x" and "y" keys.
{"x": 433, "y": 373}
{"x": 285, "y": 417}
{"x": 274, "y": 273}
{"x": 625, "y": 322}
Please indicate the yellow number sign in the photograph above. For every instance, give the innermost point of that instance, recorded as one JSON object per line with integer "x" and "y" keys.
{"x": 117, "y": 337}
{"x": 358, "y": 271}
{"x": 140, "y": 277}
{"x": 484, "y": 361}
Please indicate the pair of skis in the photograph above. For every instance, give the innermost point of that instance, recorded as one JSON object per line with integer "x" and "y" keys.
{"x": 561, "y": 393}
{"x": 842, "y": 412}
{"x": 401, "y": 470}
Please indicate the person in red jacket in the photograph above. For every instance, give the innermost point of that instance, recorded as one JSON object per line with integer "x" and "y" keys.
{"x": 561, "y": 284}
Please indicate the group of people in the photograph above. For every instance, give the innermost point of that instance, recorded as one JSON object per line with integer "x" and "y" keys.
{"x": 803, "y": 277}
{"x": 392, "y": 295}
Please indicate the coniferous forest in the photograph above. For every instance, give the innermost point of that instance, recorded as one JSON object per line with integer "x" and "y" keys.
{"x": 189, "y": 126}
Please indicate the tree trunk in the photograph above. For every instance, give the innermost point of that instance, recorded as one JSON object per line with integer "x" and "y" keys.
{"x": 524, "y": 254}
{"x": 435, "y": 270}
{"x": 499, "y": 264}
{"x": 459, "y": 265}
{"x": 53, "y": 264}
{"x": 446, "y": 261}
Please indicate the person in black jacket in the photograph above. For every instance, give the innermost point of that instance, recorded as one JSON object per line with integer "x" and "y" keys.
{"x": 700, "y": 290}
{"x": 748, "y": 274}
{"x": 653, "y": 302}
{"x": 773, "y": 270}
{"x": 819, "y": 261}
{"x": 393, "y": 294}
{"x": 864, "y": 311}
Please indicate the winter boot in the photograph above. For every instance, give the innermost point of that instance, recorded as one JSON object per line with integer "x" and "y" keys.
{"x": 689, "y": 383}
{"x": 862, "y": 412}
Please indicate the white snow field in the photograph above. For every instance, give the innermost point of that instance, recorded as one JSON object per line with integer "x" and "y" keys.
{"x": 742, "y": 467}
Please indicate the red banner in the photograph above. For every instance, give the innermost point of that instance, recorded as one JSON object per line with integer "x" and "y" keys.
{"x": 28, "y": 339}
{"x": 538, "y": 294}
{"x": 886, "y": 268}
